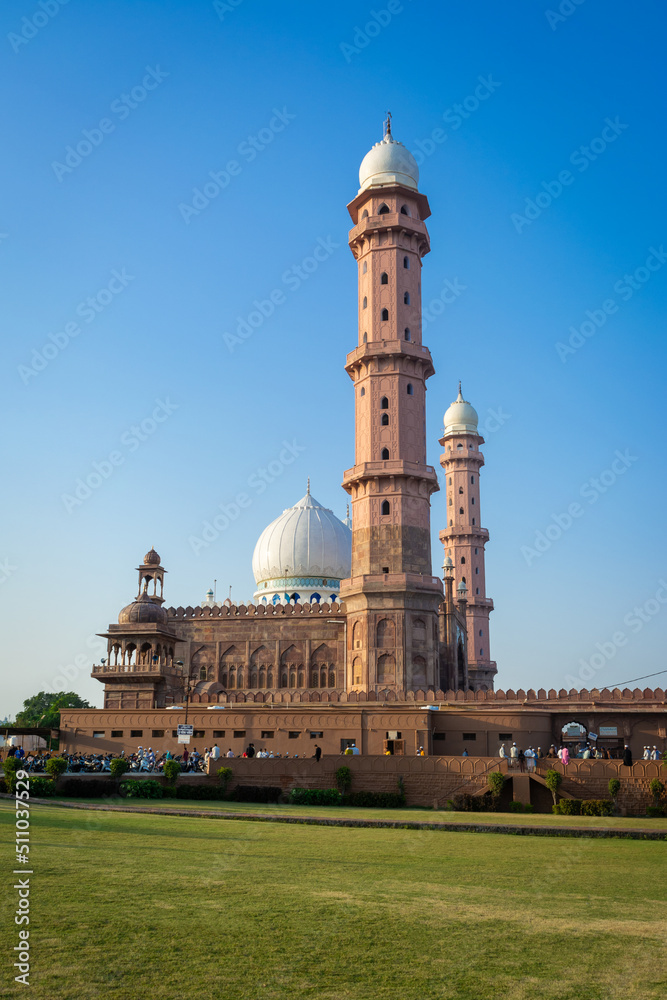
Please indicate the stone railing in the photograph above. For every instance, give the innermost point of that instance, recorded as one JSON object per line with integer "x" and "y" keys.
{"x": 258, "y": 610}
{"x": 615, "y": 698}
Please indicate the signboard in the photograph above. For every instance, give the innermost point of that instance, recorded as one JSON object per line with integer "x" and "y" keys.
{"x": 608, "y": 731}
{"x": 184, "y": 730}
{"x": 183, "y": 739}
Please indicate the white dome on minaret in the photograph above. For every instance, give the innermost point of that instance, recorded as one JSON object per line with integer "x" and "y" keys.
{"x": 461, "y": 417}
{"x": 388, "y": 162}
{"x": 305, "y": 552}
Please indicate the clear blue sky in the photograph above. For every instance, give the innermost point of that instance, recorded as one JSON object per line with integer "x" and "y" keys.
{"x": 292, "y": 96}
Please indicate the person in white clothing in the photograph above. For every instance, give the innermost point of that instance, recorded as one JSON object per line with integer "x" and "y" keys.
{"x": 230, "y": 752}
{"x": 215, "y": 752}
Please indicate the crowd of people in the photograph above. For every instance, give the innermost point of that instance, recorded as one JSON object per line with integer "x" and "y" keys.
{"x": 526, "y": 760}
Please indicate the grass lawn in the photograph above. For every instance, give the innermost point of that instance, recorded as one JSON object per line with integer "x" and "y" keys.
{"x": 391, "y": 815}
{"x": 135, "y": 906}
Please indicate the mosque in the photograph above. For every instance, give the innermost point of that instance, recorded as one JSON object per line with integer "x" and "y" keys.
{"x": 349, "y": 629}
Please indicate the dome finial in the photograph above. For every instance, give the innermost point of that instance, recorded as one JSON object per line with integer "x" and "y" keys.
{"x": 460, "y": 393}
{"x": 387, "y": 126}
{"x": 308, "y": 487}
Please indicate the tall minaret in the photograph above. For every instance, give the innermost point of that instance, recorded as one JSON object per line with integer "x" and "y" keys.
{"x": 464, "y": 538}
{"x": 391, "y": 597}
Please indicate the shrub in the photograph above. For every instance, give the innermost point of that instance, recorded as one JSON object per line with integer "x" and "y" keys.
{"x": 344, "y": 778}
{"x": 142, "y": 789}
{"x": 374, "y": 800}
{"x": 496, "y": 782}
{"x": 85, "y": 788}
{"x": 42, "y": 788}
{"x": 315, "y": 797}
{"x": 656, "y": 788}
{"x": 470, "y": 803}
{"x": 614, "y": 787}
{"x": 118, "y": 767}
{"x": 584, "y": 807}
{"x": 529, "y": 807}
{"x": 516, "y": 807}
{"x": 654, "y": 812}
{"x": 10, "y": 767}
{"x": 597, "y": 807}
{"x": 171, "y": 770}
{"x": 55, "y": 766}
{"x": 256, "y": 793}
{"x": 567, "y": 807}
{"x": 199, "y": 792}
{"x": 553, "y": 781}
{"x": 225, "y": 776}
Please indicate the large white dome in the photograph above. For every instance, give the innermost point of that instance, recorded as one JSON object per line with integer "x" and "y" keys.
{"x": 461, "y": 417}
{"x": 307, "y": 541}
{"x": 388, "y": 162}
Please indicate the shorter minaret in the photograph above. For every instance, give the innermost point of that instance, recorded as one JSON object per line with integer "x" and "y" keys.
{"x": 463, "y": 537}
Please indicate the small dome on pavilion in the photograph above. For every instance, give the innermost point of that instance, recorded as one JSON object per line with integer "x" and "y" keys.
{"x": 151, "y": 558}
{"x": 143, "y": 610}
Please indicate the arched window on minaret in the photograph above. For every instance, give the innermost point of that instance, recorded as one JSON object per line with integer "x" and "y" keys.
{"x": 384, "y": 403}
{"x": 384, "y": 278}
{"x": 383, "y": 209}
{"x": 463, "y": 560}
{"x": 405, "y": 210}
{"x": 385, "y": 419}
{"x": 410, "y": 389}
{"x": 365, "y": 303}
{"x": 385, "y": 454}
{"x": 363, "y": 391}
{"x": 384, "y": 316}
{"x": 364, "y": 267}
{"x": 386, "y": 508}
{"x": 406, "y": 263}
{"x": 364, "y": 215}
{"x": 406, "y": 298}
{"x": 408, "y": 335}
{"x": 461, "y": 511}
{"x": 460, "y": 489}
{"x": 365, "y": 338}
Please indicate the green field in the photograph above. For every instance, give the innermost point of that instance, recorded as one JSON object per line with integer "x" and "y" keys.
{"x": 136, "y": 906}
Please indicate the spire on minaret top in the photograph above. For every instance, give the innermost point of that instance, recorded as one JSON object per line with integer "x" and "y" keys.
{"x": 308, "y": 487}
{"x": 387, "y": 125}
{"x": 461, "y": 417}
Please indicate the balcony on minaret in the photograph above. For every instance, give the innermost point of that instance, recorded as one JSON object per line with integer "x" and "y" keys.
{"x": 388, "y": 220}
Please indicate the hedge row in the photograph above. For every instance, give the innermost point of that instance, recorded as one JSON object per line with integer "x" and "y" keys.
{"x": 584, "y": 807}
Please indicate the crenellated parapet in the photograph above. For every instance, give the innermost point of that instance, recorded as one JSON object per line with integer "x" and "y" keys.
{"x": 259, "y": 611}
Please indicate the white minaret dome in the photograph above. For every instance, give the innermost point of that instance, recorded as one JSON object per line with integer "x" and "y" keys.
{"x": 388, "y": 162}
{"x": 461, "y": 417}
{"x": 302, "y": 555}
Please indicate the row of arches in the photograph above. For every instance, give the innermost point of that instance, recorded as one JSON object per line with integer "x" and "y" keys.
{"x": 323, "y": 676}
{"x": 128, "y": 653}
{"x": 384, "y": 210}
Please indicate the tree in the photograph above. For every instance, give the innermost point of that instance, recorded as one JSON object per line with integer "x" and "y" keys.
{"x": 553, "y": 779}
{"x": 496, "y": 781}
{"x": 614, "y": 788}
{"x": 171, "y": 771}
{"x": 343, "y": 777}
{"x": 118, "y": 767}
{"x": 656, "y": 788}
{"x": 43, "y": 709}
{"x": 225, "y": 776}
{"x": 56, "y": 766}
